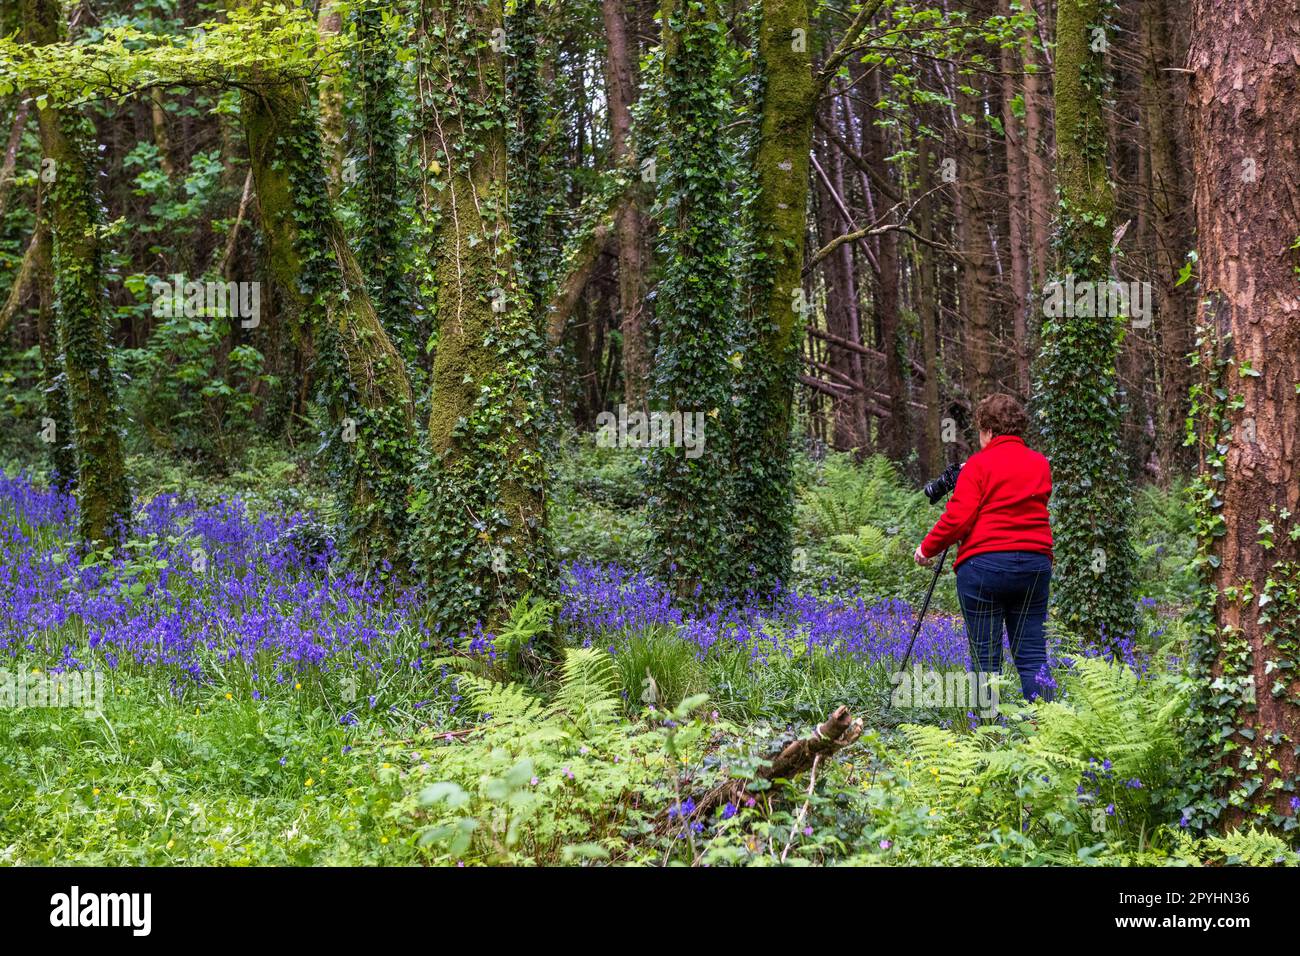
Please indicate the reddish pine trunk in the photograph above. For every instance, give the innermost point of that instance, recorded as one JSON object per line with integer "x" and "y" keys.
{"x": 1243, "y": 107}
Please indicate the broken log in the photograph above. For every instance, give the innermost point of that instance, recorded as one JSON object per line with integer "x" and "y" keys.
{"x": 838, "y": 731}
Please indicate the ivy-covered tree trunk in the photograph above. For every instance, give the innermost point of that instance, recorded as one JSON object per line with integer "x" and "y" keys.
{"x": 359, "y": 372}
{"x": 689, "y": 494}
{"x": 1077, "y": 390}
{"x": 383, "y": 214}
{"x": 484, "y": 506}
{"x": 103, "y": 495}
{"x": 56, "y": 429}
{"x": 764, "y": 491}
{"x": 526, "y": 146}
{"x": 1246, "y": 161}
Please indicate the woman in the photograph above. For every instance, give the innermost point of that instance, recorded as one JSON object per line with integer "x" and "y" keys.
{"x": 998, "y": 512}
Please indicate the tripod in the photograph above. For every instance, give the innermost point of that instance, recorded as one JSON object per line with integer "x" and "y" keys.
{"x": 925, "y": 606}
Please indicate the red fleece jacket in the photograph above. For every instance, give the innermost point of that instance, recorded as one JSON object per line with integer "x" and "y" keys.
{"x": 999, "y": 504}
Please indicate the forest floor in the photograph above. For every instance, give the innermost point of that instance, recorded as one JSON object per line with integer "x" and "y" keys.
{"x": 255, "y": 706}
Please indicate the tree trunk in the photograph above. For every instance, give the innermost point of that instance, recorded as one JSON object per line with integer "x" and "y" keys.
{"x": 850, "y": 430}
{"x": 1245, "y": 140}
{"x": 620, "y": 92}
{"x": 362, "y": 377}
{"x": 486, "y": 498}
{"x": 927, "y": 307}
{"x": 690, "y": 496}
{"x": 895, "y": 431}
{"x": 1173, "y": 318}
{"x": 1077, "y": 392}
{"x": 63, "y": 453}
{"x": 383, "y": 237}
{"x": 104, "y": 497}
{"x": 333, "y": 127}
{"x": 11, "y": 151}
{"x": 777, "y": 301}
{"x": 1017, "y": 215}
{"x": 977, "y": 258}
{"x": 1038, "y": 168}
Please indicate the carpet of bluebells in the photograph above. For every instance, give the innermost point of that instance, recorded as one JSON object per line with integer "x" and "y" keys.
{"x": 601, "y": 602}
{"x": 253, "y": 602}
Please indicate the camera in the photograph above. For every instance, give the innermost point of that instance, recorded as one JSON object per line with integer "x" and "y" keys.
{"x": 936, "y": 488}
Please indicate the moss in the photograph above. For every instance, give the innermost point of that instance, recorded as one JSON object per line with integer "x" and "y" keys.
{"x": 104, "y": 497}
{"x": 1076, "y": 391}
{"x": 483, "y": 506}
{"x": 764, "y": 489}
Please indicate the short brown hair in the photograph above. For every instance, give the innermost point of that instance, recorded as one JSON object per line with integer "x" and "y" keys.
{"x": 1002, "y": 415}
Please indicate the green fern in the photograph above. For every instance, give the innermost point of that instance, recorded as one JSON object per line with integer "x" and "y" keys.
{"x": 1252, "y": 848}
{"x": 866, "y": 550}
{"x": 588, "y": 695}
{"x": 850, "y": 496}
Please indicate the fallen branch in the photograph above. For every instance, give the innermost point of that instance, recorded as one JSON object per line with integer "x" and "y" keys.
{"x": 838, "y": 731}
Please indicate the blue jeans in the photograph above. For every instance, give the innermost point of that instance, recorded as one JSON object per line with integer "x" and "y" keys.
{"x": 1011, "y": 587}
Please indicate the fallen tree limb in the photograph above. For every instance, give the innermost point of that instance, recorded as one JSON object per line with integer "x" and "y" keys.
{"x": 838, "y": 731}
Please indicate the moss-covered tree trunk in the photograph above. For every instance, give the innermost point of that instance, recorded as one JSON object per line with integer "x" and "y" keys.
{"x": 56, "y": 429}
{"x": 764, "y": 491}
{"x": 361, "y": 376}
{"x": 689, "y": 488}
{"x": 103, "y": 495}
{"x": 1077, "y": 391}
{"x": 483, "y": 509}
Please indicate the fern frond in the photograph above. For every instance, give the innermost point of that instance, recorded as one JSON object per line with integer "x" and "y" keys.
{"x": 589, "y": 687}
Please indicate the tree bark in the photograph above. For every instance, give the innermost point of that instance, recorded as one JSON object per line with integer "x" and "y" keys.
{"x": 104, "y": 497}
{"x": 333, "y": 127}
{"x": 927, "y": 307}
{"x": 11, "y": 151}
{"x": 363, "y": 379}
{"x": 1017, "y": 215}
{"x": 620, "y": 92}
{"x": 487, "y": 493}
{"x": 977, "y": 259}
{"x": 895, "y": 431}
{"x": 1245, "y": 140}
{"x": 850, "y": 430}
{"x": 1038, "y": 168}
{"x": 777, "y": 301}
{"x": 1169, "y": 201}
